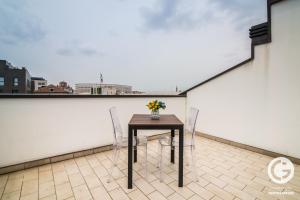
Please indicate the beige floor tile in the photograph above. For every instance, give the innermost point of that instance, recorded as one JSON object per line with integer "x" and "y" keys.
{"x": 210, "y": 171}
{"x": 31, "y": 174}
{"x": 117, "y": 173}
{"x": 123, "y": 183}
{"x": 32, "y": 196}
{"x": 202, "y": 182}
{"x": 183, "y": 191}
{"x": 219, "y": 192}
{"x": 57, "y": 167}
{"x": 109, "y": 185}
{"x": 76, "y": 179}
{"x": 1, "y": 191}
{"x": 51, "y": 197}
{"x": 144, "y": 186}
{"x": 175, "y": 196}
{"x": 92, "y": 160}
{"x": 256, "y": 186}
{"x": 13, "y": 185}
{"x": 107, "y": 163}
{"x": 12, "y": 195}
{"x": 217, "y": 181}
{"x": 196, "y": 197}
{"x": 81, "y": 161}
{"x": 16, "y": 175}
{"x": 265, "y": 183}
{"x": 63, "y": 191}
{"x": 224, "y": 171}
{"x": 86, "y": 170}
{"x": 44, "y": 168}
{"x": 46, "y": 189}
{"x": 92, "y": 181}
{"x": 202, "y": 192}
{"x": 45, "y": 176}
{"x": 232, "y": 182}
{"x": 99, "y": 193}
{"x": 241, "y": 172}
{"x": 156, "y": 196}
{"x": 163, "y": 188}
{"x": 166, "y": 177}
{"x": 137, "y": 195}
{"x": 3, "y": 180}
{"x": 71, "y": 169}
{"x": 118, "y": 194}
{"x": 100, "y": 171}
{"x": 258, "y": 194}
{"x": 240, "y": 194}
{"x": 60, "y": 177}
{"x": 71, "y": 198}
{"x": 216, "y": 198}
{"x": 29, "y": 187}
{"x": 82, "y": 193}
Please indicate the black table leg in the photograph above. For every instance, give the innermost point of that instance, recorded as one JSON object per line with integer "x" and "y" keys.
{"x": 135, "y": 146}
{"x": 129, "y": 157}
{"x": 172, "y": 146}
{"x": 180, "y": 162}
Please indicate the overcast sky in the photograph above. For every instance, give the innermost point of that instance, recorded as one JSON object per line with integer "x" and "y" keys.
{"x": 152, "y": 45}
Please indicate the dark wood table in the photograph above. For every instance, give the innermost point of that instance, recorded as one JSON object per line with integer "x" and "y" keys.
{"x": 144, "y": 122}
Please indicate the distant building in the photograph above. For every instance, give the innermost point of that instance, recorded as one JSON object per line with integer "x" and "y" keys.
{"x": 37, "y": 82}
{"x": 61, "y": 88}
{"x": 137, "y": 92}
{"x": 66, "y": 87}
{"x": 103, "y": 89}
{"x": 13, "y": 79}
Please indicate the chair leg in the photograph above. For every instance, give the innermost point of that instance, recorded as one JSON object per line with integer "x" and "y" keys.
{"x": 146, "y": 162}
{"x": 110, "y": 171}
{"x": 195, "y": 174}
{"x": 188, "y": 161}
{"x": 161, "y": 163}
{"x": 158, "y": 150}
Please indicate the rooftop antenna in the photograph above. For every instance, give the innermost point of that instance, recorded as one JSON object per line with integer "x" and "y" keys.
{"x": 101, "y": 78}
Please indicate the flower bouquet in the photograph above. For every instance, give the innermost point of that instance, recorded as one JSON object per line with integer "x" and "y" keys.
{"x": 154, "y": 106}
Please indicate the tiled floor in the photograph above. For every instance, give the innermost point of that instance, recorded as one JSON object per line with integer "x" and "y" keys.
{"x": 224, "y": 172}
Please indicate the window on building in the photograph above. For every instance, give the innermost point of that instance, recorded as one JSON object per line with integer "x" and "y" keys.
{"x": 1, "y": 81}
{"x": 51, "y": 90}
{"x": 16, "y": 81}
{"x": 15, "y": 91}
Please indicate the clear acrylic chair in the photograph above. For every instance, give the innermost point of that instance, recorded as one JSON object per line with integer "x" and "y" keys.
{"x": 168, "y": 141}
{"x": 120, "y": 141}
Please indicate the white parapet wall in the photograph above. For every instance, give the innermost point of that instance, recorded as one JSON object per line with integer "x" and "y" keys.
{"x": 36, "y": 128}
{"x": 258, "y": 104}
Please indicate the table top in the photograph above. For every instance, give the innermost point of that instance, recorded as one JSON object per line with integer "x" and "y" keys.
{"x": 145, "y": 120}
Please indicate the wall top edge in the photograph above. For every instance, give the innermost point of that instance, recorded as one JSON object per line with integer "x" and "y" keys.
{"x": 26, "y": 96}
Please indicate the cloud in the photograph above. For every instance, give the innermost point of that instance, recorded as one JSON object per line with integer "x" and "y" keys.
{"x": 176, "y": 14}
{"x": 88, "y": 51}
{"x": 188, "y": 15}
{"x": 65, "y": 52}
{"x": 76, "y": 47}
{"x": 17, "y": 25}
{"x": 243, "y": 12}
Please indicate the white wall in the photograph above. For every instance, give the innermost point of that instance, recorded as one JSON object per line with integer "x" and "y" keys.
{"x": 32, "y": 128}
{"x": 259, "y": 103}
